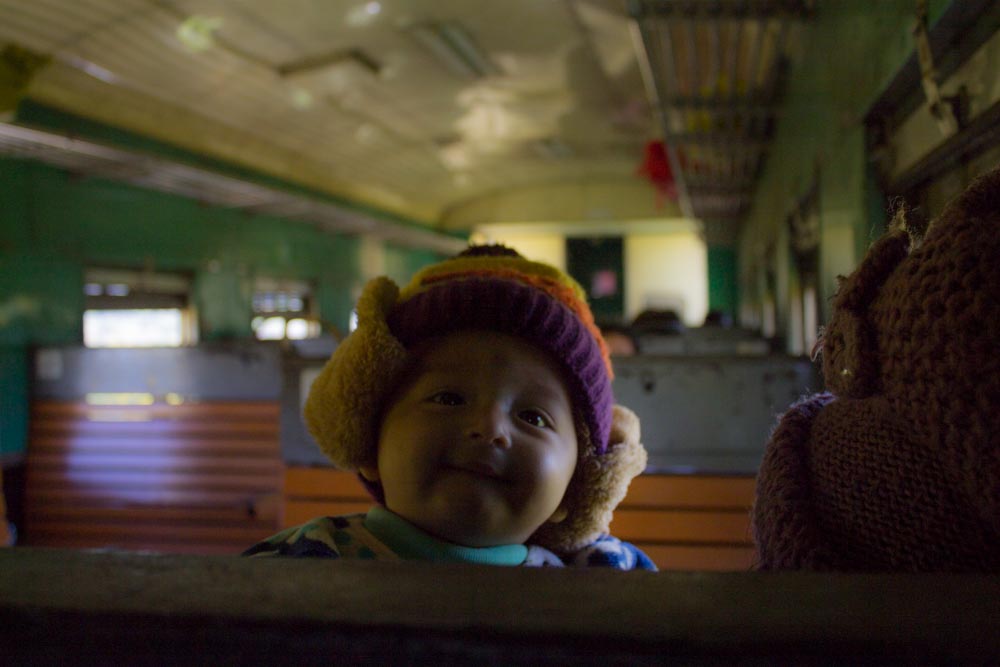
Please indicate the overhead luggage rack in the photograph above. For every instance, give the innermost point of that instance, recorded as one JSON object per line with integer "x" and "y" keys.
{"x": 714, "y": 71}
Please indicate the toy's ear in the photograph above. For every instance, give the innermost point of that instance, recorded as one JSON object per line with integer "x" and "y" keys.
{"x": 850, "y": 341}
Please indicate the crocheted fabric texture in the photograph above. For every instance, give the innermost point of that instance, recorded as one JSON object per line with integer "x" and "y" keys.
{"x": 898, "y": 468}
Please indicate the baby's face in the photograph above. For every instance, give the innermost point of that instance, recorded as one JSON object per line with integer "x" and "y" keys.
{"x": 481, "y": 446}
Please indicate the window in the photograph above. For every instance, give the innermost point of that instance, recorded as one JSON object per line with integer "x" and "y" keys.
{"x": 936, "y": 126}
{"x": 283, "y": 310}
{"x": 141, "y": 327}
{"x": 804, "y": 236}
{"x": 127, "y": 308}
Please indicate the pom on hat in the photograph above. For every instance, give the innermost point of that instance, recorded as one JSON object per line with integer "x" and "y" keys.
{"x": 485, "y": 288}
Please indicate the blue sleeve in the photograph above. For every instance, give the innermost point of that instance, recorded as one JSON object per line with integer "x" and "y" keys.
{"x": 608, "y": 551}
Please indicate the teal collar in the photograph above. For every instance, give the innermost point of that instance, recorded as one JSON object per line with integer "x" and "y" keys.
{"x": 412, "y": 543}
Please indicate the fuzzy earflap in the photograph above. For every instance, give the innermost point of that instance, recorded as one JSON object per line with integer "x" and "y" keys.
{"x": 345, "y": 402}
{"x": 598, "y": 485}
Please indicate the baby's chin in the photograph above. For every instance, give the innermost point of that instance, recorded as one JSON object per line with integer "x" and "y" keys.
{"x": 478, "y": 539}
{"x": 473, "y": 524}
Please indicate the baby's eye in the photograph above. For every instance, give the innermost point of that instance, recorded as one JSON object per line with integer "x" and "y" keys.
{"x": 450, "y": 398}
{"x": 535, "y": 418}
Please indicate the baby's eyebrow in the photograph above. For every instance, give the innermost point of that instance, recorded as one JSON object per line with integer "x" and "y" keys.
{"x": 442, "y": 368}
{"x": 536, "y": 390}
{"x": 545, "y": 392}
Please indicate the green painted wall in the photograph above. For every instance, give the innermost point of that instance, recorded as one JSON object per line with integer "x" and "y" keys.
{"x": 723, "y": 293}
{"x": 402, "y": 263}
{"x": 848, "y": 55}
{"x": 35, "y": 114}
{"x": 58, "y": 224}
{"x": 54, "y": 224}
{"x": 13, "y": 400}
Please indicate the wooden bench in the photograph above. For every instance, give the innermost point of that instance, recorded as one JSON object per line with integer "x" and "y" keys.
{"x": 206, "y": 478}
{"x": 684, "y": 522}
{"x": 197, "y": 478}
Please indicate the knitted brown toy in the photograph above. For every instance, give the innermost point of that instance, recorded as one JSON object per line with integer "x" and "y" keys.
{"x": 898, "y": 468}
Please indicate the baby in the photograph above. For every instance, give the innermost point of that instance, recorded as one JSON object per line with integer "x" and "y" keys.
{"x": 476, "y": 406}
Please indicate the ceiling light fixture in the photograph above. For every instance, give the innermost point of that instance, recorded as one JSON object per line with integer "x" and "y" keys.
{"x": 197, "y": 32}
{"x": 456, "y": 48}
{"x": 302, "y": 99}
{"x": 363, "y": 15}
{"x": 93, "y": 69}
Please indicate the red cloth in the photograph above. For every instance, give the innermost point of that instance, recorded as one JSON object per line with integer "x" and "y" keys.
{"x": 656, "y": 168}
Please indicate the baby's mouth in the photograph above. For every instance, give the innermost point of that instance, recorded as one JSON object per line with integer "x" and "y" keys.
{"x": 481, "y": 466}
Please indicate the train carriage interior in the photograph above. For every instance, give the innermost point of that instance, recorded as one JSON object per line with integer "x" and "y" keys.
{"x": 193, "y": 194}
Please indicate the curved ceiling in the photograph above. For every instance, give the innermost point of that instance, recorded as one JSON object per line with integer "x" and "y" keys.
{"x": 440, "y": 111}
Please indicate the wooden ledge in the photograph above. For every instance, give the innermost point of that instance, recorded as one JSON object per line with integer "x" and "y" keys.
{"x": 59, "y": 606}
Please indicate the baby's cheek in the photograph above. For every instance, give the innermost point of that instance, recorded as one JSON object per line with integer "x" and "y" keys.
{"x": 529, "y": 467}
{"x": 555, "y": 467}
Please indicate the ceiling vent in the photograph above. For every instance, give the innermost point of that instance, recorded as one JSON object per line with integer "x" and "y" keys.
{"x": 456, "y": 48}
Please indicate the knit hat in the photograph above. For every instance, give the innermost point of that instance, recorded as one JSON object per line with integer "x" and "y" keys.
{"x": 484, "y": 288}
{"x": 898, "y": 468}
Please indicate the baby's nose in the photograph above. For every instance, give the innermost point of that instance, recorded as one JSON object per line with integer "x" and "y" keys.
{"x": 490, "y": 423}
